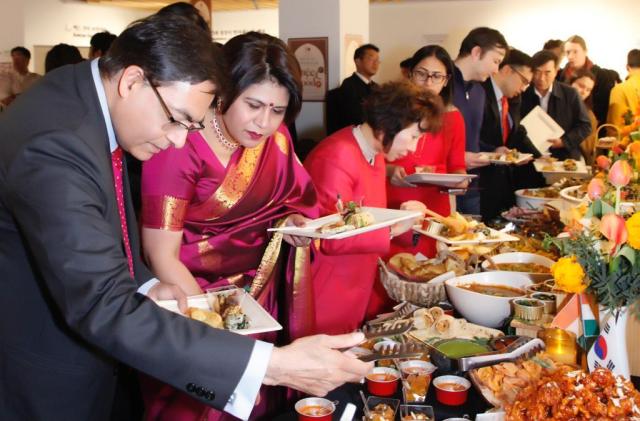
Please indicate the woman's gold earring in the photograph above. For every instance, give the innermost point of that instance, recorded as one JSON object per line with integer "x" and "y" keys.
{"x": 219, "y": 105}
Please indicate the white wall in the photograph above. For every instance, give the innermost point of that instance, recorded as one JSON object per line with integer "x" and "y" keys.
{"x": 312, "y": 19}
{"x": 229, "y": 24}
{"x": 11, "y": 27}
{"x": 49, "y": 22}
{"x": 610, "y": 27}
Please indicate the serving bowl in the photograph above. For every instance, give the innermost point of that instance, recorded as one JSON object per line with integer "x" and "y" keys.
{"x": 521, "y": 257}
{"x": 483, "y": 309}
{"x": 531, "y": 202}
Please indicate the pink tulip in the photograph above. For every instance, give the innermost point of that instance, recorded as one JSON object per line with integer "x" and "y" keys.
{"x": 612, "y": 226}
{"x": 596, "y": 188}
{"x": 620, "y": 173}
{"x": 603, "y": 162}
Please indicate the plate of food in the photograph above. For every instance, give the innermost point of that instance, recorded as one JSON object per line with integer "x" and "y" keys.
{"x": 458, "y": 230}
{"x": 350, "y": 220}
{"x": 513, "y": 157}
{"x": 444, "y": 180}
{"x": 568, "y": 167}
{"x": 228, "y": 308}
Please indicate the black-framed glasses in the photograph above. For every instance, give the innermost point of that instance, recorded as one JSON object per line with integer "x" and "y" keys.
{"x": 422, "y": 76}
{"x": 193, "y": 127}
{"x": 526, "y": 82}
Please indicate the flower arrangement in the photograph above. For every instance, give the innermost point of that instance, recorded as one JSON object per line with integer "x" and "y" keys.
{"x": 602, "y": 250}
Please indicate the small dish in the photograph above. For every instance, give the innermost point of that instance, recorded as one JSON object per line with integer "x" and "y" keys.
{"x": 451, "y": 390}
{"x": 383, "y": 381}
{"x": 528, "y": 308}
{"x": 315, "y": 409}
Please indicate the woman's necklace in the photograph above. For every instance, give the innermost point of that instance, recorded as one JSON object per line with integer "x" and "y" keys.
{"x": 221, "y": 137}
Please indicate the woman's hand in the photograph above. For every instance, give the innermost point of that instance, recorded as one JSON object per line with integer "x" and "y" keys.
{"x": 396, "y": 176}
{"x": 296, "y": 220}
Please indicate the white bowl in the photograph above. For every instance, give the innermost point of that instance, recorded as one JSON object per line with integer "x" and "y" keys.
{"x": 485, "y": 310}
{"x": 521, "y": 257}
{"x": 531, "y": 202}
{"x": 570, "y": 201}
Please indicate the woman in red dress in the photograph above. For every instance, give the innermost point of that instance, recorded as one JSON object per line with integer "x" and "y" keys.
{"x": 440, "y": 152}
{"x": 350, "y": 164}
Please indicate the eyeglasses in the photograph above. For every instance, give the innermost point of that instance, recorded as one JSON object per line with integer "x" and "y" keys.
{"x": 422, "y": 76}
{"x": 526, "y": 82}
{"x": 194, "y": 127}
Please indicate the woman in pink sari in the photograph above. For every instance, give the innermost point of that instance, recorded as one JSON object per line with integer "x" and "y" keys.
{"x": 207, "y": 206}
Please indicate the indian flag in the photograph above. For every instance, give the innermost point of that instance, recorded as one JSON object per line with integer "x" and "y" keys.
{"x": 577, "y": 317}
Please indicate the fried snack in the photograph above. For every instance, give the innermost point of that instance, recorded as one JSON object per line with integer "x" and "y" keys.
{"x": 409, "y": 268}
{"x": 335, "y": 227}
{"x": 502, "y": 382}
{"x": 569, "y": 394}
{"x": 570, "y": 165}
{"x": 211, "y": 318}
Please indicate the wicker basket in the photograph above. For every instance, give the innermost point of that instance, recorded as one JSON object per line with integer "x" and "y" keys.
{"x": 425, "y": 294}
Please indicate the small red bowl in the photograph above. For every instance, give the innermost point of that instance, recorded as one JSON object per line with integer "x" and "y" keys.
{"x": 315, "y": 409}
{"x": 383, "y": 381}
{"x": 451, "y": 390}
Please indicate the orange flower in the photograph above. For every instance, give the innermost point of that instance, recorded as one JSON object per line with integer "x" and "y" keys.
{"x": 603, "y": 162}
{"x": 620, "y": 173}
{"x": 612, "y": 226}
{"x": 634, "y": 151}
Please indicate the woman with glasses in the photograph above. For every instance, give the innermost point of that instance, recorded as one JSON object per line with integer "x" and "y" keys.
{"x": 349, "y": 165}
{"x": 208, "y": 205}
{"x": 440, "y": 152}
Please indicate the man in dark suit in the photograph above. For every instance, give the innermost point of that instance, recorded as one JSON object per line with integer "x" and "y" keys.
{"x": 561, "y": 102}
{"x": 354, "y": 89}
{"x": 501, "y": 131}
{"x": 73, "y": 283}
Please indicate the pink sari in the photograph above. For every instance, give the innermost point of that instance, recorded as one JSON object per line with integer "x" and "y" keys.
{"x": 224, "y": 214}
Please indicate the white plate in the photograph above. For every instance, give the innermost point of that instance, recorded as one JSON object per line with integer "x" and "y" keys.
{"x": 383, "y": 218}
{"x": 558, "y": 169}
{"x": 522, "y": 157}
{"x": 259, "y": 320}
{"x": 500, "y": 237}
{"x": 444, "y": 180}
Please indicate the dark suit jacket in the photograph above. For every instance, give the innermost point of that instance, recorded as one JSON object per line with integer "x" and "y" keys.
{"x": 498, "y": 182}
{"x": 351, "y": 94}
{"x": 68, "y": 307}
{"x": 568, "y": 110}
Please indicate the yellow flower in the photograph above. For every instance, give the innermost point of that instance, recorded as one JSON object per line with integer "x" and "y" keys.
{"x": 568, "y": 275}
{"x": 633, "y": 229}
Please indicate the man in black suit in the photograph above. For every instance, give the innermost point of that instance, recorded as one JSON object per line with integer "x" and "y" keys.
{"x": 73, "y": 283}
{"x": 501, "y": 131}
{"x": 561, "y": 102}
{"x": 354, "y": 89}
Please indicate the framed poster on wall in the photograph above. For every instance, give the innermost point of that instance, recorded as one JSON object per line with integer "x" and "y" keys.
{"x": 312, "y": 54}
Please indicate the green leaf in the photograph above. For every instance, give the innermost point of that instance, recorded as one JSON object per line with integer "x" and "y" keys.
{"x": 628, "y": 253}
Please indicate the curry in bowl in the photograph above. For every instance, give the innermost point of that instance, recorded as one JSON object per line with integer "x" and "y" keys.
{"x": 493, "y": 290}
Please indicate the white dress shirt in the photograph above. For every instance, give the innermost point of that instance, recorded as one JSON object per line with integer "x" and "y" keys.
{"x": 544, "y": 99}
{"x": 367, "y": 150}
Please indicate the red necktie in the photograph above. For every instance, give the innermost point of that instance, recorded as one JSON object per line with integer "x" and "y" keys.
{"x": 116, "y": 162}
{"x": 504, "y": 117}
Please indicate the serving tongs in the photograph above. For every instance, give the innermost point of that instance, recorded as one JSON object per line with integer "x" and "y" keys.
{"x": 401, "y": 310}
{"x": 399, "y": 328}
{"x": 522, "y": 347}
{"x": 395, "y": 351}
{"x": 381, "y": 331}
